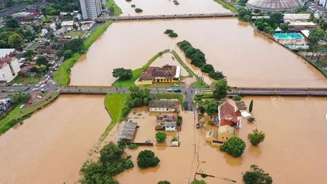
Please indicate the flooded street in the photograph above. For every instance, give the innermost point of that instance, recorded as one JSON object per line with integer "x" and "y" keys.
{"x": 167, "y": 7}
{"x": 51, "y": 146}
{"x": 246, "y": 57}
{"x": 294, "y": 150}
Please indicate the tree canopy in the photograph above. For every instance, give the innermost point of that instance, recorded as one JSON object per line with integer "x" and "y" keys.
{"x": 256, "y": 176}
{"x": 147, "y": 158}
{"x": 256, "y": 137}
{"x": 160, "y": 137}
{"x": 234, "y": 146}
{"x": 221, "y": 89}
{"x": 122, "y": 74}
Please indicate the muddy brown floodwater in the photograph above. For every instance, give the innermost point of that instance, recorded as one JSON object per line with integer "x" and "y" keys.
{"x": 294, "y": 150}
{"x": 167, "y": 7}
{"x": 246, "y": 57}
{"x": 51, "y": 146}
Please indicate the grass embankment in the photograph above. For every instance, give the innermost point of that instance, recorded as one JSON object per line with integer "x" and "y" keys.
{"x": 114, "y": 104}
{"x": 136, "y": 73}
{"x": 18, "y": 114}
{"x": 227, "y": 5}
{"x": 197, "y": 84}
{"x": 113, "y": 7}
{"x": 178, "y": 96}
{"x": 62, "y": 75}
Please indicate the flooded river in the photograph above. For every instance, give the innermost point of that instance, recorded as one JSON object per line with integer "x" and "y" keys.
{"x": 167, "y": 7}
{"x": 51, "y": 146}
{"x": 294, "y": 150}
{"x": 246, "y": 57}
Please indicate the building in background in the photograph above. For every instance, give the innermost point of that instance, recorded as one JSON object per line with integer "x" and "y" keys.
{"x": 90, "y": 9}
{"x": 9, "y": 65}
{"x": 275, "y": 5}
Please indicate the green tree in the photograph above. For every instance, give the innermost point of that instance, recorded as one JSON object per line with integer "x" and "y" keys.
{"x": 284, "y": 27}
{"x": 234, "y": 146}
{"x": 315, "y": 36}
{"x": 122, "y": 74}
{"x": 221, "y": 89}
{"x": 250, "y": 108}
{"x": 276, "y": 18}
{"x": 256, "y": 176}
{"x": 163, "y": 182}
{"x": 198, "y": 182}
{"x": 207, "y": 68}
{"x": 244, "y": 14}
{"x": 11, "y": 22}
{"x": 41, "y": 60}
{"x": 20, "y": 98}
{"x": 147, "y": 158}
{"x": 210, "y": 106}
{"x": 216, "y": 75}
{"x": 110, "y": 153}
{"x": 160, "y": 137}
{"x": 15, "y": 40}
{"x": 256, "y": 137}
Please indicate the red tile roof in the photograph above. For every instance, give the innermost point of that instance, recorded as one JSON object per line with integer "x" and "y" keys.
{"x": 167, "y": 71}
{"x": 228, "y": 114}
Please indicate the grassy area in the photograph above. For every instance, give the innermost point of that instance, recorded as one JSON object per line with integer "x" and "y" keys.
{"x": 113, "y": 7}
{"x": 137, "y": 72}
{"x": 227, "y": 5}
{"x": 114, "y": 104}
{"x": 200, "y": 82}
{"x": 62, "y": 75}
{"x": 26, "y": 80}
{"x": 176, "y": 55}
{"x": 18, "y": 114}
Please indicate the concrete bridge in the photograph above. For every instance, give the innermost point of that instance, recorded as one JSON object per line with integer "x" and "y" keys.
{"x": 101, "y": 90}
{"x": 159, "y": 17}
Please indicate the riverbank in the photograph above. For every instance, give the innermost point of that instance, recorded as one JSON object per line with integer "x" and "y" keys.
{"x": 18, "y": 114}
{"x": 227, "y": 5}
{"x": 113, "y": 7}
{"x": 62, "y": 75}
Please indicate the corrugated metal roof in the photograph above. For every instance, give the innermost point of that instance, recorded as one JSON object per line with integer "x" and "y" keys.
{"x": 274, "y": 5}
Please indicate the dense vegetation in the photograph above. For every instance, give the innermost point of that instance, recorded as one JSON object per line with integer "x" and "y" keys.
{"x": 256, "y": 137}
{"x": 160, "y": 137}
{"x": 208, "y": 106}
{"x": 111, "y": 162}
{"x": 221, "y": 89}
{"x": 198, "y": 59}
{"x": 147, "y": 158}
{"x": 164, "y": 182}
{"x": 171, "y": 33}
{"x": 14, "y": 35}
{"x": 122, "y": 73}
{"x": 234, "y": 146}
{"x": 256, "y": 176}
{"x": 54, "y": 7}
{"x": 196, "y": 181}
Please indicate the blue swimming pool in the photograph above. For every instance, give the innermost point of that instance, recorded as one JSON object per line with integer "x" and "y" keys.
{"x": 288, "y": 36}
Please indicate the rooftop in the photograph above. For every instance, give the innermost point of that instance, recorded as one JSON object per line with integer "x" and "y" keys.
{"x": 274, "y": 5}
{"x": 166, "y": 71}
{"x": 164, "y": 103}
{"x": 228, "y": 113}
{"x": 127, "y": 131}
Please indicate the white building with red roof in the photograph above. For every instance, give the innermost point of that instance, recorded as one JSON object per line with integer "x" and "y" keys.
{"x": 9, "y": 65}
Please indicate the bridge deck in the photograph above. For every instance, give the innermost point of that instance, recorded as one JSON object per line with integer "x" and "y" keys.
{"x": 175, "y": 16}
{"x": 234, "y": 91}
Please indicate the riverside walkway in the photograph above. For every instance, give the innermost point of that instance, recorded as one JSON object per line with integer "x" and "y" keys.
{"x": 158, "y": 17}
{"x": 100, "y": 90}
